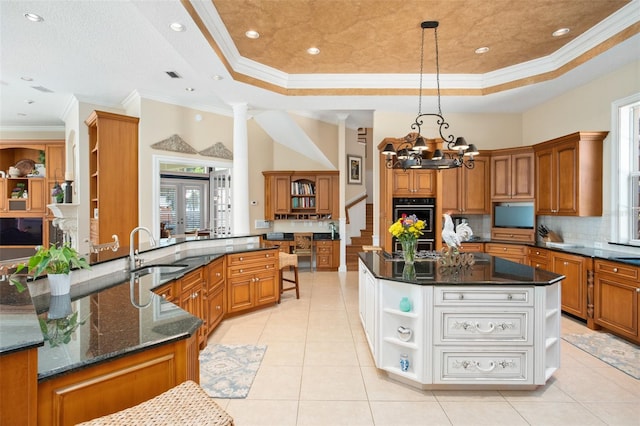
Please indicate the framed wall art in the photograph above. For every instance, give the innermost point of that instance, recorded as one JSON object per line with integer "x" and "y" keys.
{"x": 354, "y": 165}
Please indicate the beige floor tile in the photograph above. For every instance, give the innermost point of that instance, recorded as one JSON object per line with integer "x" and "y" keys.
{"x": 365, "y": 359}
{"x": 335, "y": 413}
{"x": 379, "y": 387}
{"x": 464, "y": 395}
{"x": 330, "y": 352}
{"x": 585, "y": 385}
{"x": 547, "y": 393}
{"x": 556, "y": 413}
{"x": 251, "y": 412}
{"x": 393, "y": 413}
{"x": 276, "y": 382}
{"x": 284, "y": 353}
{"x": 485, "y": 413}
{"x": 284, "y": 332}
{"x": 332, "y": 383}
{"x": 616, "y": 414}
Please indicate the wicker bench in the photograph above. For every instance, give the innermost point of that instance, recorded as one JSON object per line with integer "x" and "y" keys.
{"x": 185, "y": 404}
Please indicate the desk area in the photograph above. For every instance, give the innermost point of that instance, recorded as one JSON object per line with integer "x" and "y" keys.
{"x": 325, "y": 254}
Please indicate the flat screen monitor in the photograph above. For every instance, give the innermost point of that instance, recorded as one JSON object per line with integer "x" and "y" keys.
{"x": 511, "y": 216}
{"x": 20, "y": 231}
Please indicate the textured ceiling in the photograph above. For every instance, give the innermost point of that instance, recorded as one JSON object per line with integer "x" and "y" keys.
{"x": 383, "y": 36}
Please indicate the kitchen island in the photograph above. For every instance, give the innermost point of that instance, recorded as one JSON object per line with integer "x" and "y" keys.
{"x": 492, "y": 325}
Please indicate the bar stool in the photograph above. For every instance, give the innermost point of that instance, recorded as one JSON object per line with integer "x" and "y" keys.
{"x": 289, "y": 261}
{"x": 184, "y": 404}
{"x": 303, "y": 246}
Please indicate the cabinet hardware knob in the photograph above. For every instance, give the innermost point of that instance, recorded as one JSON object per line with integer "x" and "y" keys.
{"x": 242, "y": 258}
{"x": 537, "y": 252}
{"x": 218, "y": 307}
{"x": 218, "y": 274}
{"x": 615, "y": 270}
{"x": 461, "y": 296}
{"x": 565, "y": 263}
{"x": 504, "y": 248}
{"x": 509, "y": 297}
{"x": 241, "y": 270}
{"x": 638, "y": 290}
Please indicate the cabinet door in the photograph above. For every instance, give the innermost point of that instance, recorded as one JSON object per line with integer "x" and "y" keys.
{"x": 3, "y": 195}
{"x": 545, "y": 187}
{"x": 402, "y": 183}
{"x": 451, "y": 187}
{"x": 324, "y": 195}
{"x": 616, "y": 306}
{"x": 266, "y": 288}
{"x": 574, "y": 286}
{"x": 215, "y": 308}
{"x": 566, "y": 164}
{"x": 501, "y": 177}
{"x": 475, "y": 199}
{"x": 37, "y": 200}
{"x": 240, "y": 296}
{"x": 282, "y": 195}
{"x": 522, "y": 176}
{"x": 424, "y": 182}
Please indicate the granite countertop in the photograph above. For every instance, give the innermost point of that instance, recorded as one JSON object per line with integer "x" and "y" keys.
{"x": 288, "y": 236}
{"x": 118, "y": 312}
{"x": 488, "y": 270}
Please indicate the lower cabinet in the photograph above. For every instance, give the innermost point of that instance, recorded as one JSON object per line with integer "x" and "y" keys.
{"x": 215, "y": 306}
{"x": 191, "y": 290}
{"x": 574, "y": 286}
{"x": 540, "y": 258}
{"x": 514, "y": 252}
{"x": 463, "y": 336}
{"x": 252, "y": 280}
{"x": 617, "y": 298}
{"x": 327, "y": 255}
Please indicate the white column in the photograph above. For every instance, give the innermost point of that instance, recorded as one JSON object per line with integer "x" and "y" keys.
{"x": 240, "y": 173}
{"x": 342, "y": 154}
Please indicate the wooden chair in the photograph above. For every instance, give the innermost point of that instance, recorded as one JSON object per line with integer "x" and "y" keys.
{"x": 303, "y": 246}
{"x": 289, "y": 261}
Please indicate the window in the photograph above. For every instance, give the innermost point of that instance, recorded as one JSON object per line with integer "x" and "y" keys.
{"x": 626, "y": 160}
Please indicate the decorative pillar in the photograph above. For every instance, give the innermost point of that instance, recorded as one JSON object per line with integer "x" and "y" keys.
{"x": 240, "y": 174}
{"x": 342, "y": 154}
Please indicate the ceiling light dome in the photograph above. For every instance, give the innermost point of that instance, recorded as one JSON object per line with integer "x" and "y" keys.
{"x": 252, "y": 34}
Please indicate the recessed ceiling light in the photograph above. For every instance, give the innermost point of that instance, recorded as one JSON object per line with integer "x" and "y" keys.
{"x": 178, "y": 27}
{"x": 22, "y": 114}
{"x": 313, "y": 51}
{"x": 560, "y": 32}
{"x": 26, "y": 78}
{"x": 33, "y": 17}
{"x": 29, "y": 101}
{"x": 190, "y": 89}
{"x": 217, "y": 77}
{"x": 481, "y": 50}
{"x": 252, "y": 34}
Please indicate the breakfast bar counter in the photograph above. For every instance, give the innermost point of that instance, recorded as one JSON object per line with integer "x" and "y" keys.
{"x": 492, "y": 325}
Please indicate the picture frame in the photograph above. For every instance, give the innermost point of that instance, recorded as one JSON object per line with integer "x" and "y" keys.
{"x": 354, "y": 169}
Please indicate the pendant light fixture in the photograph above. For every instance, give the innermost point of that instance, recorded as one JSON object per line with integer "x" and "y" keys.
{"x": 413, "y": 152}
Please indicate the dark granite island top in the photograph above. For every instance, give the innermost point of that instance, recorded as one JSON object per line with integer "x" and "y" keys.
{"x": 486, "y": 270}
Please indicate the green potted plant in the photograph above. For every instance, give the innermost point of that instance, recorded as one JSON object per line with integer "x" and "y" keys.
{"x": 57, "y": 262}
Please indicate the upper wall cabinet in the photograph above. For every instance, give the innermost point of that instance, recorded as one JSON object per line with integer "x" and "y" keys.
{"x": 466, "y": 190}
{"x": 512, "y": 174}
{"x": 301, "y": 195}
{"x": 569, "y": 175}
{"x": 414, "y": 183}
{"x": 113, "y": 175}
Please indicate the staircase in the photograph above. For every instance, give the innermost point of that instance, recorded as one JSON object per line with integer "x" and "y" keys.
{"x": 365, "y": 239}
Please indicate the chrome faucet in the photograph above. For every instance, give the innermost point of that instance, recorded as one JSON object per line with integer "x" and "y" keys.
{"x": 134, "y": 262}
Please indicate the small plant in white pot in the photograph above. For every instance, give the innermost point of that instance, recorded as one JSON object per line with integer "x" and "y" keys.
{"x": 57, "y": 263}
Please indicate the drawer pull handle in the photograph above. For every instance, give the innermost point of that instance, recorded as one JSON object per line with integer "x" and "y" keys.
{"x": 475, "y": 365}
{"x": 615, "y": 270}
{"x": 509, "y": 297}
{"x": 475, "y": 326}
{"x": 461, "y": 296}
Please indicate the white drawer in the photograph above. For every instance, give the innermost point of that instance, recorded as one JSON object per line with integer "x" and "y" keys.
{"x": 460, "y": 365}
{"x": 493, "y": 296}
{"x": 475, "y": 326}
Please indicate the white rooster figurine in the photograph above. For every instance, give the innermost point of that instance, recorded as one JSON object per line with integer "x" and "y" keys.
{"x": 454, "y": 238}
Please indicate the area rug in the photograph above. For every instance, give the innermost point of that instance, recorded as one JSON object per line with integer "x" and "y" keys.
{"x": 613, "y": 350}
{"x": 227, "y": 371}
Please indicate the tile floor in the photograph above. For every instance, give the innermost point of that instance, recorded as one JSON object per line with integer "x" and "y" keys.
{"x": 318, "y": 371}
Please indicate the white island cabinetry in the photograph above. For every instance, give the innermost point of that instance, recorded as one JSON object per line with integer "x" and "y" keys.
{"x": 493, "y": 336}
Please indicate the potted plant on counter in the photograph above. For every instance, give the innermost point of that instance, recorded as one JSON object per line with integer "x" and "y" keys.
{"x": 57, "y": 262}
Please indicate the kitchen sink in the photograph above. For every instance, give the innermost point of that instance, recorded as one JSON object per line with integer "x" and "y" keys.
{"x": 160, "y": 269}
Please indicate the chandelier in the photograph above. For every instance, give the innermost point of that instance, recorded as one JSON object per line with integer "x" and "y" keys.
{"x": 414, "y": 152}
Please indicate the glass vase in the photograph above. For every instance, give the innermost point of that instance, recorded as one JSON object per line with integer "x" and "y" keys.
{"x": 408, "y": 250}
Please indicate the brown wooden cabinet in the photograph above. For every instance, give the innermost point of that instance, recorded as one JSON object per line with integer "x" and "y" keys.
{"x": 512, "y": 174}
{"x": 252, "y": 280}
{"x": 301, "y": 195}
{"x": 465, "y": 190}
{"x": 327, "y": 255}
{"x": 574, "y": 286}
{"x": 617, "y": 298}
{"x": 414, "y": 183}
{"x": 539, "y": 258}
{"x": 513, "y": 235}
{"x": 215, "y": 306}
{"x": 513, "y": 252}
{"x": 191, "y": 290}
{"x": 113, "y": 175}
{"x": 569, "y": 175}
{"x": 35, "y": 201}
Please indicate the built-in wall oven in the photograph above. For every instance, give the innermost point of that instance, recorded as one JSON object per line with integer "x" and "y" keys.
{"x": 424, "y": 209}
